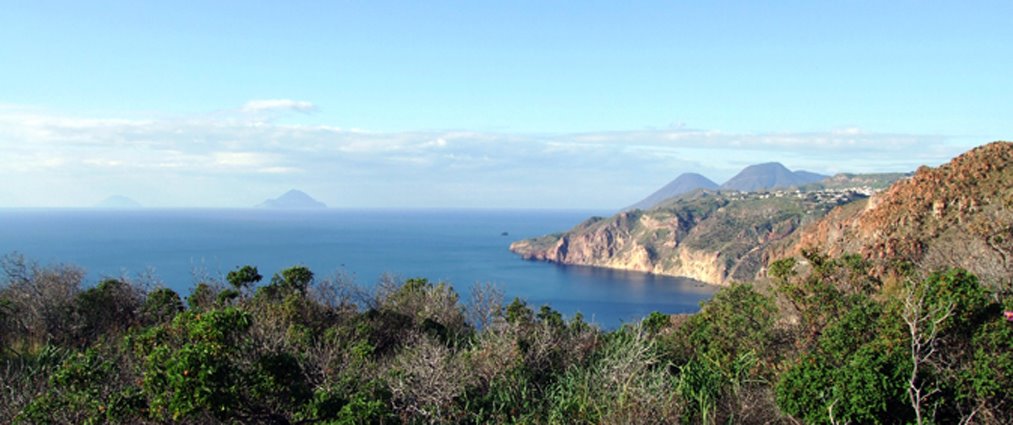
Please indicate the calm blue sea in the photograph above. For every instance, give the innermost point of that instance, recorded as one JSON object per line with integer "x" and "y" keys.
{"x": 462, "y": 247}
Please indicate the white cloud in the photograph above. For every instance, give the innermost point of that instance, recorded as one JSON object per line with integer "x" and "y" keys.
{"x": 240, "y": 159}
{"x": 266, "y": 105}
{"x": 207, "y": 156}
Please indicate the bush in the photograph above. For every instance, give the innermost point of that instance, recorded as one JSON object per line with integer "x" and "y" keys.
{"x": 192, "y": 365}
{"x": 161, "y": 306}
{"x": 108, "y": 309}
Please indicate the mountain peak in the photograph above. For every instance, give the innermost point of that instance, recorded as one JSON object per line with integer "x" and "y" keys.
{"x": 769, "y": 175}
{"x": 293, "y": 199}
{"x": 685, "y": 183}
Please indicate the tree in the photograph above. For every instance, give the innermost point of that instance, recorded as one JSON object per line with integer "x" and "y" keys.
{"x": 924, "y": 323}
{"x": 161, "y": 305}
{"x": 243, "y": 278}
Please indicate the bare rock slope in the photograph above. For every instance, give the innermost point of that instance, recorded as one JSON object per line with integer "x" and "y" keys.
{"x": 958, "y": 214}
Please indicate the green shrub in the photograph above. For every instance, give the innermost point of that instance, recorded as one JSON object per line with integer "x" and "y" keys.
{"x": 191, "y": 366}
{"x": 161, "y": 306}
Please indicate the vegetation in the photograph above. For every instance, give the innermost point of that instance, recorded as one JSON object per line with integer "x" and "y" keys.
{"x": 826, "y": 343}
{"x": 715, "y": 237}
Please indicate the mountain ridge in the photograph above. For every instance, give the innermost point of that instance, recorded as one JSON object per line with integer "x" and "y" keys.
{"x": 767, "y": 176}
{"x": 753, "y": 178}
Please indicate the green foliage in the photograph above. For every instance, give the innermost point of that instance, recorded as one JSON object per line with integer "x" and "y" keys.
{"x": 625, "y": 382}
{"x": 277, "y": 379}
{"x": 510, "y": 397}
{"x": 82, "y": 391}
{"x": 872, "y": 385}
{"x": 244, "y": 277}
{"x": 161, "y": 306}
{"x": 202, "y": 297}
{"x": 349, "y": 402}
{"x": 990, "y": 376}
{"x": 293, "y": 279}
{"x": 867, "y": 386}
{"x": 828, "y": 290}
{"x": 737, "y": 319}
{"x": 8, "y": 326}
{"x": 969, "y": 300}
{"x": 700, "y": 384}
{"x": 191, "y": 366}
{"x": 550, "y": 317}
{"x": 859, "y": 367}
{"x": 110, "y": 307}
{"x": 519, "y": 312}
{"x": 655, "y": 322}
{"x": 856, "y": 327}
{"x": 841, "y": 352}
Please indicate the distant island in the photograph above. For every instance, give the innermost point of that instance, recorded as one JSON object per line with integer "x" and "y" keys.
{"x": 118, "y": 202}
{"x": 293, "y": 200}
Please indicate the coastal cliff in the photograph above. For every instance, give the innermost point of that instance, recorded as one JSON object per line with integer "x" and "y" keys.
{"x": 714, "y": 237}
{"x": 959, "y": 214}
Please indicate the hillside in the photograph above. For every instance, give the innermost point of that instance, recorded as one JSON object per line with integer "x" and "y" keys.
{"x": 685, "y": 183}
{"x": 709, "y": 236}
{"x": 871, "y": 181}
{"x": 959, "y": 214}
{"x": 767, "y": 176}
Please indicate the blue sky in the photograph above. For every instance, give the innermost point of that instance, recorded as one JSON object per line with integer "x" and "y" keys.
{"x": 481, "y": 104}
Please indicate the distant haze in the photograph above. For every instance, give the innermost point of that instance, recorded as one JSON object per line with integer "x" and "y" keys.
{"x": 481, "y": 104}
{"x": 118, "y": 202}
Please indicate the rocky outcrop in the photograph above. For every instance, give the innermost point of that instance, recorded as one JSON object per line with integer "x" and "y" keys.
{"x": 709, "y": 236}
{"x": 622, "y": 242}
{"x": 958, "y": 214}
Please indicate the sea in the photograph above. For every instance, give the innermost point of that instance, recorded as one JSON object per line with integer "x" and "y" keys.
{"x": 179, "y": 247}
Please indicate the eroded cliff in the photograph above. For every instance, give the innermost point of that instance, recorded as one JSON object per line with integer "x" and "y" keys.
{"x": 710, "y": 236}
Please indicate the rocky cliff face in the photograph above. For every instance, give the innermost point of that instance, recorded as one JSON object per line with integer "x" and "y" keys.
{"x": 959, "y": 214}
{"x": 709, "y": 236}
{"x": 630, "y": 241}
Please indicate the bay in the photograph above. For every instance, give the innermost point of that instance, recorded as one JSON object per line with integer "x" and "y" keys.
{"x": 462, "y": 247}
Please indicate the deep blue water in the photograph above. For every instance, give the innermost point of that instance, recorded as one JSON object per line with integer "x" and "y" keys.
{"x": 462, "y": 247}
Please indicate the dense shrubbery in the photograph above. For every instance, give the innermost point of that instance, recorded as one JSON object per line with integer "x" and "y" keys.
{"x": 826, "y": 344}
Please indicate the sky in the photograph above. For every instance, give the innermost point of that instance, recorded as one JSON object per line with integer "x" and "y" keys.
{"x": 481, "y": 104}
